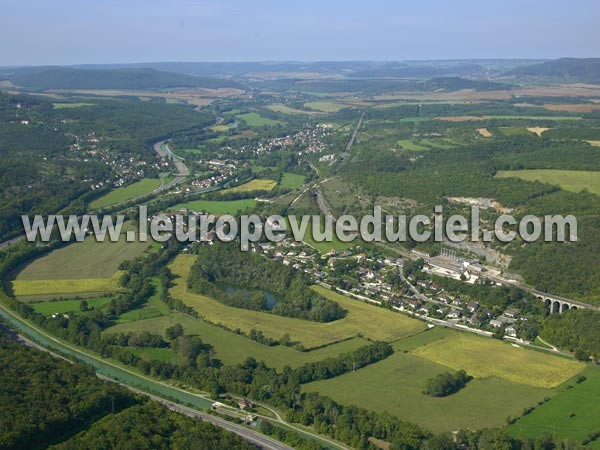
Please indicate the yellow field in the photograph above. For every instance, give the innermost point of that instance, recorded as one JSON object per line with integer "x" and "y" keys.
{"x": 594, "y": 143}
{"x": 220, "y": 128}
{"x": 66, "y": 287}
{"x": 537, "y": 130}
{"x": 484, "y": 357}
{"x": 569, "y": 180}
{"x": 253, "y": 185}
{"x": 484, "y": 132}
{"x": 366, "y": 320}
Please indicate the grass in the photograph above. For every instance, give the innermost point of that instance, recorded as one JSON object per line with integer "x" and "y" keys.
{"x": 70, "y": 105}
{"x": 395, "y": 385}
{"x": 253, "y": 119}
{"x": 361, "y": 319}
{"x": 66, "y": 306}
{"x": 122, "y": 194}
{"x": 150, "y": 354}
{"x": 253, "y": 185}
{"x": 220, "y": 128}
{"x": 409, "y": 144}
{"x": 569, "y": 180}
{"x": 219, "y": 206}
{"x": 291, "y": 180}
{"x": 572, "y": 413}
{"x": 324, "y": 246}
{"x": 483, "y": 357}
{"x": 285, "y": 109}
{"x": 231, "y": 348}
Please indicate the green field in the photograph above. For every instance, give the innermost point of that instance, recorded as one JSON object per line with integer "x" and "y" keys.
{"x": 253, "y": 119}
{"x": 572, "y": 413}
{"x": 362, "y": 319}
{"x": 154, "y": 307}
{"x": 66, "y": 306}
{"x": 253, "y": 185}
{"x": 70, "y": 105}
{"x": 83, "y": 267}
{"x": 220, "y": 128}
{"x": 409, "y": 144}
{"x": 324, "y": 106}
{"x": 150, "y": 354}
{"x": 231, "y": 348}
{"x": 325, "y": 246}
{"x": 484, "y": 357}
{"x": 125, "y": 193}
{"x": 219, "y": 206}
{"x": 395, "y": 385}
{"x": 569, "y": 180}
{"x": 285, "y": 109}
{"x": 291, "y": 180}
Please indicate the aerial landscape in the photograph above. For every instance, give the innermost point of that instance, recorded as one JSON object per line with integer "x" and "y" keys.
{"x": 312, "y": 226}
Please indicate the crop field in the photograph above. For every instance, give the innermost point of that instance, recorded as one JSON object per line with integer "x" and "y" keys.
{"x": 395, "y": 385}
{"x": 594, "y": 143}
{"x": 483, "y": 358}
{"x": 67, "y": 306}
{"x": 253, "y": 119}
{"x": 83, "y": 260}
{"x": 291, "y": 180}
{"x": 231, "y": 348}
{"x": 29, "y": 290}
{"x": 219, "y": 206}
{"x": 366, "y": 320}
{"x": 484, "y": 132}
{"x": 537, "y": 130}
{"x": 324, "y": 106}
{"x": 70, "y": 105}
{"x": 253, "y": 185}
{"x": 572, "y": 413}
{"x": 122, "y": 194}
{"x": 569, "y": 180}
{"x": 285, "y": 109}
{"x": 578, "y": 107}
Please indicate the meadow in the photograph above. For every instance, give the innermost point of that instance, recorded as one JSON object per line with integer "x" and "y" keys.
{"x": 32, "y": 290}
{"x": 395, "y": 385}
{"x": 231, "y": 348}
{"x": 291, "y": 180}
{"x": 569, "y": 180}
{"x": 362, "y": 319}
{"x": 484, "y": 357}
{"x": 253, "y": 119}
{"x": 572, "y": 413}
{"x": 154, "y": 306}
{"x": 67, "y": 306}
{"x": 325, "y": 106}
{"x": 70, "y": 105}
{"x": 122, "y": 194}
{"x": 219, "y": 206}
{"x": 285, "y": 109}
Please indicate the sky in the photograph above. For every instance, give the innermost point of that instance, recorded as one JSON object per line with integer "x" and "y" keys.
{"x": 40, "y": 32}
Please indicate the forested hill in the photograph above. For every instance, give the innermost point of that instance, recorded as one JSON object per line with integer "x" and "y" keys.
{"x": 566, "y": 69}
{"x": 43, "y": 78}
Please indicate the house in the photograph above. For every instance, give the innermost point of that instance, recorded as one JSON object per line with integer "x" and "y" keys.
{"x": 413, "y": 303}
{"x": 511, "y": 330}
{"x": 475, "y": 320}
{"x": 472, "y": 306}
{"x": 244, "y": 404}
{"x": 496, "y": 323}
{"x": 511, "y": 312}
{"x": 454, "y": 314}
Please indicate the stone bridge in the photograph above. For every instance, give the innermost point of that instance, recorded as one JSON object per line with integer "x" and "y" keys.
{"x": 555, "y": 304}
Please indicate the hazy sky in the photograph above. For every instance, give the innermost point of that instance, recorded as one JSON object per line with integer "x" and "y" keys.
{"x": 87, "y": 31}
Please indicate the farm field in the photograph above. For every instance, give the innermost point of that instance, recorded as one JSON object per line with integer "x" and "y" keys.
{"x": 81, "y": 260}
{"x": 291, "y": 180}
{"x": 253, "y": 185}
{"x": 483, "y": 358}
{"x": 484, "y": 132}
{"x": 366, "y": 320}
{"x": 67, "y": 306}
{"x": 253, "y": 119}
{"x": 122, "y": 194}
{"x": 87, "y": 267}
{"x": 285, "y": 109}
{"x": 569, "y": 180}
{"x": 70, "y": 105}
{"x": 537, "y": 130}
{"x": 324, "y": 106}
{"x": 572, "y": 413}
{"x": 219, "y": 206}
{"x": 231, "y": 348}
{"x": 395, "y": 385}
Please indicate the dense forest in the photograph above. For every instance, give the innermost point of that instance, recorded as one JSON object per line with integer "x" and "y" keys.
{"x": 258, "y": 276}
{"x": 577, "y": 331}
